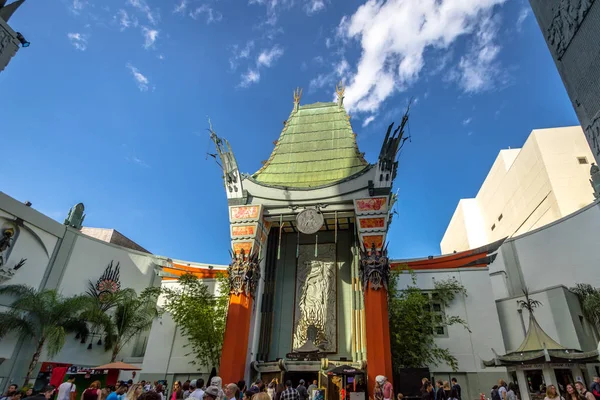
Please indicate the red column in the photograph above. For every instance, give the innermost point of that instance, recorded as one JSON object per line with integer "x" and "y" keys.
{"x": 377, "y": 327}
{"x": 235, "y": 343}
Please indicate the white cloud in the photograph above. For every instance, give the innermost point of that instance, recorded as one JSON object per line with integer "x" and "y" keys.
{"x": 240, "y": 54}
{"x": 523, "y": 14}
{"x": 330, "y": 79}
{"x": 78, "y": 40}
{"x": 368, "y": 120}
{"x": 76, "y": 6}
{"x": 314, "y": 6}
{"x": 250, "y": 77}
{"x": 211, "y": 14}
{"x": 142, "y": 82}
{"x": 150, "y": 36}
{"x": 394, "y": 35}
{"x": 477, "y": 68}
{"x": 180, "y": 8}
{"x": 467, "y": 121}
{"x": 125, "y": 20}
{"x": 143, "y": 7}
{"x": 268, "y": 57}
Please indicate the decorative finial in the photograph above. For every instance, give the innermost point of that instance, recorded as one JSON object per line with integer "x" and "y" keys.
{"x": 340, "y": 89}
{"x": 297, "y": 97}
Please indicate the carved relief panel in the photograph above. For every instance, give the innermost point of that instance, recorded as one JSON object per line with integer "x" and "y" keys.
{"x": 315, "y": 309}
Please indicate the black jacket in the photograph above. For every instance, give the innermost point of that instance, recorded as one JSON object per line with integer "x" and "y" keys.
{"x": 441, "y": 394}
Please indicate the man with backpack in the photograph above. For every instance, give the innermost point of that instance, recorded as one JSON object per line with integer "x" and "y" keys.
{"x": 67, "y": 390}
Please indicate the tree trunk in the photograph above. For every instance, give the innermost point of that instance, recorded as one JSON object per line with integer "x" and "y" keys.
{"x": 115, "y": 353}
{"x": 34, "y": 360}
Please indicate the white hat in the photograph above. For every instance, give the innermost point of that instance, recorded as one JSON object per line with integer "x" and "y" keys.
{"x": 380, "y": 379}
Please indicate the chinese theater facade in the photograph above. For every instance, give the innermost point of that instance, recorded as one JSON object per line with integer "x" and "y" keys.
{"x": 309, "y": 270}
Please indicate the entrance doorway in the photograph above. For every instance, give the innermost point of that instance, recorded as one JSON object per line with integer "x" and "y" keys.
{"x": 295, "y": 377}
{"x": 563, "y": 378}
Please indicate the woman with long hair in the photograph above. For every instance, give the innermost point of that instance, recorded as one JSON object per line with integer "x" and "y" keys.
{"x": 93, "y": 392}
{"x": 447, "y": 390}
{"x": 551, "y": 393}
{"x": 572, "y": 393}
{"x": 134, "y": 391}
{"x": 160, "y": 389}
{"x": 177, "y": 391}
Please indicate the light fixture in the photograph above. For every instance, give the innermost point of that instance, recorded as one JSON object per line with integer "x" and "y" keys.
{"x": 99, "y": 342}
{"x": 90, "y": 346}
{"x": 78, "y": 336}
{"x": 21, "y": 38}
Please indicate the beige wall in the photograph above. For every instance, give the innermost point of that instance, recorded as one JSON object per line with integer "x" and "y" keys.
{"x": 526, "y": 188}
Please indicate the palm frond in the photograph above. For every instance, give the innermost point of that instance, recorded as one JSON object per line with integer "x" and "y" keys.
{"x": 528, "y": 304}
{"x": 17, "y": 290}
{"x": 55, "y": 340}
{"x": 15, "y": 322}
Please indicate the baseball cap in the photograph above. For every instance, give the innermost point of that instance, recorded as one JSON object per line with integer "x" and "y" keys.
{"x": 193, "y": 383}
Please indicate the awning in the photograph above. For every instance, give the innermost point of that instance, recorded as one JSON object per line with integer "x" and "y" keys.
{"x": 118, "y": 365}
{"x": 346, "y": 370}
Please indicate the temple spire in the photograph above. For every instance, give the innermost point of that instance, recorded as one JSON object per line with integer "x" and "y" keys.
{"x": 297, "y": 97}
{"x": 232, "y": 178}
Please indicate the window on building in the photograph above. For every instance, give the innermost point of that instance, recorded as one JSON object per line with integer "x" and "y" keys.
{"x": 582, "y": 160}
{"x": 500, "y": 217}
{"x": 437, "y": 309}
{"x": 493, "y": 226}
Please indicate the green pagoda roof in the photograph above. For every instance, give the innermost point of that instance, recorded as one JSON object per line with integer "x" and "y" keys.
{"x": 316, "y": 147}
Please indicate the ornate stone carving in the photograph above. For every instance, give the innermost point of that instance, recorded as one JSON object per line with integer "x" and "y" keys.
{"x": 309, "y": 221}
{"x": 232, "y": 179}
{"x": 76, "y": 216}
{"x": 109, "y": 282}
{"x": 6, "y": 241}
{"x": 244, "y": 273}
{"x": 315, "y": 315}
{"x": 595, "y": 180}
{"x": 374, "y": 268}
{"x": 568, "y": 16}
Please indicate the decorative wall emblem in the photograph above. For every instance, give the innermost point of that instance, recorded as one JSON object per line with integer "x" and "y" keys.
{"x": 245, "y": 247}
{"x": 371, "y": 223}
{"x": 372, "y": 241}
{"x": 371, "y": 205}
{"x": 244, "y": 273}
{"x": 315, "y": 313}
{"x": 109, "y": 282}
{"x": 243, "y": 230}
{"x": 568, "y": 16}
{"x": 309, "y": 221}
{"x": 374, "y": 268}
{"x": 244, "y": 213}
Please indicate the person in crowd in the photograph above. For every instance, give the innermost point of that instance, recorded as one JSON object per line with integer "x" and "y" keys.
{"x": 511, "y": 393}
{"x": 28, "y": 391}
{"x": 147, "y": 386}
{"x": 217, "y": 382}
{"x": 388, "y": 389}
{"x": 278, "y": 391}
{"x": 424, "y": 383}
{"x": 261, "y": 396}
{"x": 439, "y": 393}
{"x": 495, "y": 394}
{"x": 93, "y": 392}
{"x": 583, "y": 391}
{"x": 302, "y": 392}
{"x": 502, "y": 389}
{"x": 177, "y": 391}
{"x": 67, "y": 390}
{"x": 573, "y": 394}
{"x": 12, "y": 389}
{"x": 427, "y": 391}
{"x": 196, "y": 391}
{"x": 551, "y": 393}
{"x": 212, "y": 392}
{"x": 378, "y": 388}
{"x": 16, "y": 396}
{"x": 271, "y": 388}
{"x": 143, "y": 383}
{"x": 133, "y": 392}
{"x": 595, "y": 387}
{"x": 241, "y": 389}
{"x": 314, "y": 385}
{"x": 447, "y": 389}
{"x": 46, "y": 394}
{"x": 247, "y": 395}
{"x": 186, "y": 389}
{"x": 456, "y": 390}
{"x": 289, "y": 393}
{"x": 230, "y": 391}
{"x": 160, "y": 389}
{"x": 112, "y": 393}
{"x": 400, "y": 396}
{"x": 150, "y": 395}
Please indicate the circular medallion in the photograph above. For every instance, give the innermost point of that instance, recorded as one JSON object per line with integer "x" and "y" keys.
{"x": 309, "y": 221}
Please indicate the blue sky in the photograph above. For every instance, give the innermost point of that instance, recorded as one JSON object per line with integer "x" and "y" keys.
{"x": 109, "y": 104}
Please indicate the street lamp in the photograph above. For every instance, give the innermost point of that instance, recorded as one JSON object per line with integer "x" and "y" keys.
{"x": 21, "y": 39}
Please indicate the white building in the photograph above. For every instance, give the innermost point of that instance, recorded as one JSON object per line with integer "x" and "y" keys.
{"x": 525, "y": 189}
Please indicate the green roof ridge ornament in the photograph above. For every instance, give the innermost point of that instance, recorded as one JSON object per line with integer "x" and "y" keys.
{"x": 297, "y": 97}
{"x": 339, "y": 90}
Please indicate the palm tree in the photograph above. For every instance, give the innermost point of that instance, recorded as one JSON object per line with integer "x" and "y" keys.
{"x": 528, "y": 304}
{"x": 132, "y": 315}
{"x": 44, "y": 316}
{"x": 589, "y": 297}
